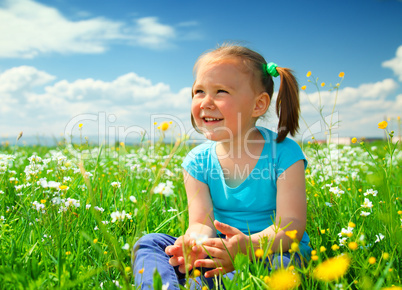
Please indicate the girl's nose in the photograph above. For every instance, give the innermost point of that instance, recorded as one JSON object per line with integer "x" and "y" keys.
{"x": 207, "y": 103}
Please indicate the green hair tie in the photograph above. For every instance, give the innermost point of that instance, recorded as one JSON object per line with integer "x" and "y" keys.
{"x": 271, "y": 69}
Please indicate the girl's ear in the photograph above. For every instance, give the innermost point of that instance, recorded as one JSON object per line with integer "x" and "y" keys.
{"x": 261, "y": 104}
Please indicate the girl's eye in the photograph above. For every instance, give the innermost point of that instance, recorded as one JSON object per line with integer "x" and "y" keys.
{"x": 223, "y": 91}
{"x": 196, "y": 92}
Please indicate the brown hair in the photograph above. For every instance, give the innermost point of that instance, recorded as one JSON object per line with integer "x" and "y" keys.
{"x": 287, "y": 103}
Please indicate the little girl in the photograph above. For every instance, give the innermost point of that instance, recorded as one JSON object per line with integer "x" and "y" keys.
{"x": 240, "y": 181}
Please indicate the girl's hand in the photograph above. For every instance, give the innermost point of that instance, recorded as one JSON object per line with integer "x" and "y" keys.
{"x": 222, "y": 251}
{"x": 180, "y": 257}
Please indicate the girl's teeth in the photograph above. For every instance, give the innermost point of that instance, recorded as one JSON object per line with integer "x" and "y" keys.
{"x": 211, "y": 119}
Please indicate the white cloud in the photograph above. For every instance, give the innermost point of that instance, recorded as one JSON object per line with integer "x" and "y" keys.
{"x": 38, "y": 103}
{"x": 28, "y": 28}
{"x": 396, "y": 63}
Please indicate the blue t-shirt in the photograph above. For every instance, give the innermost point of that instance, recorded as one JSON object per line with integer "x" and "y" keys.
{"x": 251, "y": 206}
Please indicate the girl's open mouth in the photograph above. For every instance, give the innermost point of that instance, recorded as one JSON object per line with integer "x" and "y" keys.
{"x": 212, "y": 120}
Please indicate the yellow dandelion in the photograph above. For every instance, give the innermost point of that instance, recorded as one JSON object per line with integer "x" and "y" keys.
{"x": 295, "y": 247}
{"x": 314, "y": 258}
{"x": 308, "y": 74}
{"x": 283, "y": 279}
{"x": 335, "y": 247}
{"x": 341, "y": 74}
{"x": 105, "y": 252}
{"x": 303, "y": 88}
{"x": 354, "y": 140}
{"x": 80, "y": 125}
{"x": 291, "y": 234}
{"x": 204, "y": 288}
{"x": 382, "y": 125}
{"x": 43, "y": 201}
{"x": 322, "y": 231}
{"x": 68, "y": 253}
{"x": 322, "y": 249}
{"x": 399, "y": 211}
{"x": 155, "y": 123}
{"x": 164, "y": 126}
{"x": 398, "y": 118}
{"x": 385, "y": 256}
{"x": 322, "y": 84}
{"x": 141, "y": 271}
{"x": 313, "y": 252}
{"x": 197, "y": 273}
{"x": 63, "y": 187}
{"x": 353, "y": 246}
{"x": 95, "y": 241}
{"x": 266, "y": 279}
{"x": 372, "y": 260}
{"x": 351, "y": 224}
{"x": 127, "y": 269}
{"x": 259, "y": 253}
{"x": 350, "y": 234}
{"x": 332, "y": 269}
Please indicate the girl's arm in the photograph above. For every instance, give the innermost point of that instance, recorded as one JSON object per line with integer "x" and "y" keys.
{"x": 201, "y": 219}
{"x": 291, "y": 207}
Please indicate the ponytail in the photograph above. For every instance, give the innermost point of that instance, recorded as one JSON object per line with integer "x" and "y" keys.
{"x": 287, "y": 104}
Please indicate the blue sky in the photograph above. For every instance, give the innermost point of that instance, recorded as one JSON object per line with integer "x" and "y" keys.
{"x": 118, "y": 66}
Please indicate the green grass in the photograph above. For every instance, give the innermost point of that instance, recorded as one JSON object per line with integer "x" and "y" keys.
{"x": 67, "y": 246}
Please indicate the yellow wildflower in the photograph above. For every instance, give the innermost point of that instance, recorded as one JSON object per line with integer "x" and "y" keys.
{"x": 332, "y": 269}
{"x": 291, "y": 234}
{"x": 259, "y": 253}
{"x": 385, "y": 256}
{"x": 63, "y": 187}
{"x": 382, "y": 125}
{"x": 204, "y": 288}
{"x": 303, "y": 88}
{"x": 197, "y": 273}
{"x": 341, "y": 74}
{"x": 323, "y": 231}
{"x": 80, "y": 125}
{"x": 322, "y": 84}
{"x": 141, "y": 271}
{"x": 283, "y": 279}
{"x": 105, "y": 252}
{"x": 308, "y": 74}
{"x": 353, "y": 246}
{"x": 68, "y": 253}
{"x": 164, "y": 126}
{"x": 351, "y": 224}
{"x": 127, "y": 269}
{"x": 398, "y": 118}
{"x": 335, "y": 247}
{"x": 95, "y": 241}
{"x": 354, "y": 140}
{"x": 372, "y": 260}
{"x": 43, "y": 201}
{"x": 314, "y": 258}
{"x": 322, "y": 249}
{"x": 295, "y": 247}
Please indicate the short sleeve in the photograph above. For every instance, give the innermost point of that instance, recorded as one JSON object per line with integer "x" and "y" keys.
{"x": 288, "y": 154}
{"x": 195, "y": 163}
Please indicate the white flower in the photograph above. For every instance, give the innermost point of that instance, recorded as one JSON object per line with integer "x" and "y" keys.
{"x": 72, "y": 202}
{"x": 328, "y": 204}
{"x": 165, "y": 188}
{"x": 96, "y": 228}
{"x": 165, "y": 286}
{"x": 116, "y": 184}
{"x": 126, "y": 246}
{"x": 1, "y": 192}
{"x": 99, "y": 208}
{"x": 2, "y": 218}
{"x": 199, "y": 238}
{"x": 364, "y": 213}
{"x": 38, "y": 206}
{"x": 367, "y": 203}
{"x": 336, "y": 191}
{"x": 379, "y": 237}
{"x": 118, "y": 216}
{"x": 371, "y": 192}
{"x": 133, "y": 199}
{"x": 88, "y": 206}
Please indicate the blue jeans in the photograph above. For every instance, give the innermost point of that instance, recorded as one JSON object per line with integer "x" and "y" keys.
{"x": 149, "y": 254}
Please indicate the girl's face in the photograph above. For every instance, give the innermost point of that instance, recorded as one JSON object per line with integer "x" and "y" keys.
{"x": 224, "y": 101}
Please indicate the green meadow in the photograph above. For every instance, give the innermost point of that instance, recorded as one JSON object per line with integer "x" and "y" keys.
{"x": 70, "y": 214}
